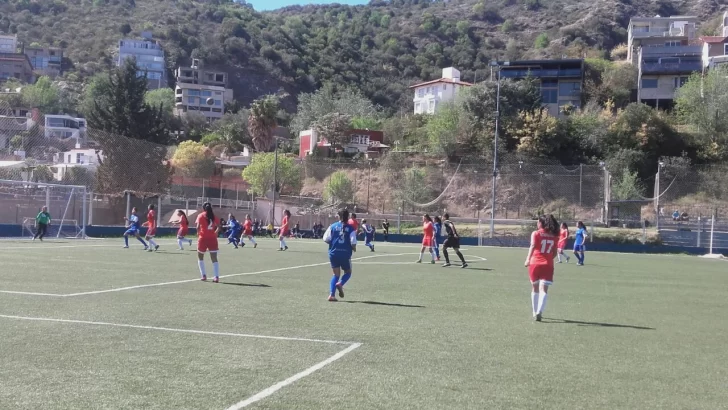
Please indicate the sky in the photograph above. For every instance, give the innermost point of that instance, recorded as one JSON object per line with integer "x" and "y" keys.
{"x": 261, "y": 5}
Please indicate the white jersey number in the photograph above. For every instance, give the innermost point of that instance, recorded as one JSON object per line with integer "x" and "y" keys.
{"x": 546, "y": 246}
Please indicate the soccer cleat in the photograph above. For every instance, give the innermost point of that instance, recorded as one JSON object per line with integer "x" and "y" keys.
{"x": 216, "y": 280}
{"x": 419, "y": 261}
{"x": 463, "y": 266}
{"x": 372, "y": 248}
{"x": 446, "y": 264}
{"x": 204, "y": 278}
{"x": 340, "y": 288}
{"x": 558, "y": 262}
{"x": 181, "y": 249}
{"x": 568, "y": 259}
{"x": 333, "y": 299}
{"x": 125, "y": 247}
{"x": 538, "y": 317}
{"x": 156, "y": 247}
{"x": 432, "y": 262}
{"x": 148, "y": 249}
{"x": 255, "y": 245}
{"x": 280, "y": 249}
{"x": 438, "y": 259}
{"x": 242, "y": 244}
{"x": 285, "y": 249}
{"x": 190, "y": 241}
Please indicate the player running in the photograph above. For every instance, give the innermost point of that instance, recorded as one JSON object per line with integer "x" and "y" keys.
{"x": 248, "y": 231}
{"x": 436, "y": 239}
{"x": 208, "y": 227}
{"x": 563, "y": 239}
{"x": 540, "y": 262}
{"x": 452, "y": 241}
{"x": 184, "y": 227}
{"x": 354, "y": 223}
{"x": 285, "y": 230}
{"x": 580, "y": 243}
{"x": 235, "y": 231}
{"x": 133, "y": 229}
{"x": 151, "y": 225}
{"x": 341, "y": 238}
{"x": 368, "y": 234}
{"x": 428, "y": 238}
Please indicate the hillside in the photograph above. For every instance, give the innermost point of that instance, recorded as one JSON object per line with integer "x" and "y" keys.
{"x": 380, "y": 48}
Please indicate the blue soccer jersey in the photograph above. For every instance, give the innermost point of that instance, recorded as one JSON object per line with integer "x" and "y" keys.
{"x": 340, "y": 238}
{"x": 235, "y": 225}
{"x": 133, "y": 223}
{"x": 579, "y": 237}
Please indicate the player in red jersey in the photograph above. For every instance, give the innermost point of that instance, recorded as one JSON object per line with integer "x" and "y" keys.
{"x": 540, "y": 262}
{"x": 429, "y": 238}
{"x": 563, "y": 239}
{"x": 248, "y": 231}
{"x": 284, "y": 231}
{"x": 151, "y": 228}
{"x": 208, "y": 227}
{"x": 184, "y": 228}
{"x": 353, "y": 222}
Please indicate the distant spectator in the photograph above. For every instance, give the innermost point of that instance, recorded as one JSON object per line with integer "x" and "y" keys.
{"x": 676, "y": 215}
{"x": 296, "y": 229}
{"x": 385, "y": 230}
{"x": 684, "y": 216}
{"x": 269, "y": 229}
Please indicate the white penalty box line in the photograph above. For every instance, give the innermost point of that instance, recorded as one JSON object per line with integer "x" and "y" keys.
{"x": 351, "y": 346}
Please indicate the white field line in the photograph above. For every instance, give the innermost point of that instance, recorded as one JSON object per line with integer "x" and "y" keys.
{"x": 274, "y": 388}
{"x": 10, "y": 248}
{"x": 169, "y": 329}
{"x": 15, "y": 292}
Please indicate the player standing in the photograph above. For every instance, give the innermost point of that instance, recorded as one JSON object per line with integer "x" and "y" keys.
{"x": 151, "y": 228}
{"x": 436, "y": 238}
{"x": 452, "y": 241}
{"x": 284, "y": 231}
{"x": 248, "y": 231}
{"x": 429, "y": 233}
{"x": 133, "y": 229}
{"x": 580, "y": 242}
{"x": 354, "y": 223}
{"x": 184, "y": 227}
{"x": 563, "y": 239}
{"x": 235, "y": 230}
{"x": 385, "y": 230}
{"x": 341, "y": 238}
{"x": 368, "y": 234}
{"x": 208, "y": 227}
{"x": 42, "y": 221}
{"x": 540, "y": 262}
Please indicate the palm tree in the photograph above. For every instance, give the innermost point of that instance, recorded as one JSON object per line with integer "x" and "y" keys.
{"x": 262, "y": 121}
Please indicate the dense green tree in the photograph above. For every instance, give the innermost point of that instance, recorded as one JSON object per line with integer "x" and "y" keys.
{"x": 333, "y": 127}
{"x": 325, "y": 101}
{"x": 339, "y": 188}
{"x": 260, "y": 173}
{"x": 262, "y": 121}
{"x": 193, "y": 159}
{"x": 43, "y": 95}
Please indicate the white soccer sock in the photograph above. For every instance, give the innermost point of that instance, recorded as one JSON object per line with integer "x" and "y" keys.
{"x": 250, "y": 238}
{"x": 432, "y": 254}
{"x": 421, "y": 254}
{"x": 542, "y": 301}
{"x": 179, "y": 242}
{"x": 558, "y": 255}
{"x": 534, "y": 302}
{"x": 283, "y": 243}
{"x": 201, "y": 264}
{"x": 216, "y": 268}
{"x": 151, "y": 242}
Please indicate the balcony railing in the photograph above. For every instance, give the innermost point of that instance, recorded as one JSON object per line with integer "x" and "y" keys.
{"x": 665, "y": 51}
{"x": 651, "y": 33}
{"x": 671, "y": 68}
{"x": 541, "y": 73}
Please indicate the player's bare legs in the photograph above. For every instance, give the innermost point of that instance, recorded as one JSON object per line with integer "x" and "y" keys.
{"x": 335, "y": 285}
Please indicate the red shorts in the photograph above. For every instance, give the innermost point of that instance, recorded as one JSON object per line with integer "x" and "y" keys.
{"x": 248, "y": 233}
{"x": 561, "y": 245}
{"x": 541, "y": 273}
{"x": 207, "y": 244}
{"x": 182, "y": 232}
{"x": 427, "y": 242}
{"x": 151, "y": 231}
{"x": 286, "y": 233}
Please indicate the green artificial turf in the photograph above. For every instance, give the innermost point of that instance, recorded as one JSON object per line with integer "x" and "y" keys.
{"x": 623, "y": 332}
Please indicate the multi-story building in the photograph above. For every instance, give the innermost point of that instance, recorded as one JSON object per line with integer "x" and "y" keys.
{"x": 664, "y": 69}
{"x": 659, "y": 31}
{"x": 149, "y": 57}
{"x": 368, "y": 142}
{"x": 431, "y": 94}
{"x": 16, "y": 65}
{"x": 45, "y": 60}
{"x": 715, "y": 48}
{"x": 561, "y": 81}
{"x": 8, "y": 44}
{"x": 201, "y": 90}
{"x": 76, "y": 158}
{"x": 64, "y": 127}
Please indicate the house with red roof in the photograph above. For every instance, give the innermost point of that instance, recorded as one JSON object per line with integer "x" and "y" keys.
{"x": 431, "y": 94}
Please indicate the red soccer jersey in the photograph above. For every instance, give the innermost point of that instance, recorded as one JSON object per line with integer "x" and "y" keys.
{"x": 563, "y": 235}
{"x": 151, "y": 218}
{"x": 354, "y": 224}
{"x": 248, "y": 227}
{"x": 544, "y": 248}
{"x": 284, "y": 225}
{"x": 207, "y": 228}
{"x": 184, "y": 223}
{"x": 429, "y": 229}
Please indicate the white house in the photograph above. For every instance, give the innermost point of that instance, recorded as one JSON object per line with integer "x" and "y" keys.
{"x": 85, "y": 158}
{"x": 429, "y": 95}
{"x": 64, "y": 127}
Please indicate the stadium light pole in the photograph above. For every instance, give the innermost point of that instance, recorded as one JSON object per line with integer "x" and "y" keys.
{"x": 498, "y": 66}
{"x": 657, "y": 195}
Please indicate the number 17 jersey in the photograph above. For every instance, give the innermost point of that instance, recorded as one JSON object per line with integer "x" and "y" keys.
{"x": 544, "y": 248}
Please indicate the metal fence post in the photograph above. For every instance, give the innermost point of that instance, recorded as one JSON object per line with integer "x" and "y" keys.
{"x": 159, "y": 210}
{"x": 128, "y": 203}
{"x": 700, "y": 228}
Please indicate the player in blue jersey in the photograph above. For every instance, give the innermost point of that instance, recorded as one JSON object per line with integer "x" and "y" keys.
{"x": 438, "y": 233}
{"x": 341, "y": 238}
{"x": 580, "y": 242}
{"x": 235, "y": 231}
{"x": 133, "y": 228}
{"x": 368, "y": 230}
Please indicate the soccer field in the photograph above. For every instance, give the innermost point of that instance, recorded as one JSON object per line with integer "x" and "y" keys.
{"x": 89, "y": 325}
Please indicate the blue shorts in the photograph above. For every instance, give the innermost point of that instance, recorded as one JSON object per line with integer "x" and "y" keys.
{"x": 368, "y": 238}
{"x": 579, "y": 248}
{"x": 131, "y": 232}
{"x": 340, "y": 262}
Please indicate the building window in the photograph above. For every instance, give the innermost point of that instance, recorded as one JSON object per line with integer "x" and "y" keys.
{"x": 725, "y": 49}
{"x": 649, "y": 83}
{"x": 218, "y": 92}
{"x": 193, "y": 92}
{"x": 444, "y": 87}
{"x": 69, "y": 158}
{"x": 549, "y": 96}
{"x": 191, "y": 100}
{"x": 206, "y": 93}
{"x": 418, "y": 109}
{"x": 179, "y": 91}
{"x": 431, "y": 106}
{"x": 569, "y": 89}
{"x": 218, "y": 102}
{"x": 421, "y": 92}
{"x": 672, "y": 43}
{"x": 204, "y": 108}
{"x": 220, "y": 78}
{"x": 641, "y": 29}
{"x": 216, "y": 110}
{"x": 549, "y": 83}
{"x": 78, "y": 158}
{"x": 680, "y": 81}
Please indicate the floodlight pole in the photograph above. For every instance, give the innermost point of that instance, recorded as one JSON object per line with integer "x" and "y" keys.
{"x": 275, "y": 182}
{"x": 495, "y": 153}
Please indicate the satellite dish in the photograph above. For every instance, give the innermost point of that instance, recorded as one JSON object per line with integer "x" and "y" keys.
{"x": 210, "y": 101}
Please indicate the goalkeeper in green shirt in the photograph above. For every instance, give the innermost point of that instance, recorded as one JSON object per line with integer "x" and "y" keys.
{"x": 41, "y": 223}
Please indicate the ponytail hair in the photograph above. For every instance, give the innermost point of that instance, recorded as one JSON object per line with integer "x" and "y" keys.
{"x": 427, "y": 218}
{"x": 207, "y": 207}
{"x": 183, "y": 215}
{"x": 549, "y": 224}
